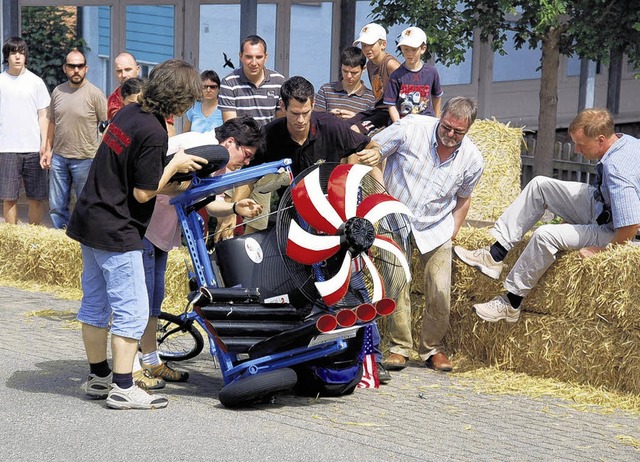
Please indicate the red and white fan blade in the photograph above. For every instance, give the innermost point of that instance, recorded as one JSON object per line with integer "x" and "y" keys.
{"x": 389, "y": 245}
{"x": 376, "y": 206}
{"x": 343, "y": 187}
{"x": 332, "y": 290}
{"x": 312, "y": 205}
{"x": 378, "y": 286}
{"x": 307, "y": 248}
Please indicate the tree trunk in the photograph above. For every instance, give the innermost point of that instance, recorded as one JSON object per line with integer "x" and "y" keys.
{"x": 545, "y": 143}
{"x": 615, "y": 81}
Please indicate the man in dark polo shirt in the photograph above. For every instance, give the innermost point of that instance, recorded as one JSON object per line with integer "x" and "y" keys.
{"x": 307, "y": 136}
{"x": 252, "y": 89}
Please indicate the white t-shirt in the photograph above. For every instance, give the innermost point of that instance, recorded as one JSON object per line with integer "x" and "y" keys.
{"x": 20, "y": 98}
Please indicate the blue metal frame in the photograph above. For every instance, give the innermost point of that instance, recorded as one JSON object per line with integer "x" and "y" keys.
{"x": 200, "y": 189}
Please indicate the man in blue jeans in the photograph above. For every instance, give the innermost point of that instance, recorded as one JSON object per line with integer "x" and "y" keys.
{"x": 110, "y": 220}
{"x": 77, "y": 107}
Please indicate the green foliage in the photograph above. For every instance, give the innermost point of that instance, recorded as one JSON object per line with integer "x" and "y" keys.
{"x": 50, "y": 34}
{"x": 602, "y": 26}
{"x": 590, "y": 27}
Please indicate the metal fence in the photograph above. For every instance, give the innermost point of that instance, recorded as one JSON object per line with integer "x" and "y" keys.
{"x": 567, "y": 165}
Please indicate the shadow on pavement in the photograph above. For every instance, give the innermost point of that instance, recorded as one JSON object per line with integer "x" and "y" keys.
{"x": 54, "y": 377}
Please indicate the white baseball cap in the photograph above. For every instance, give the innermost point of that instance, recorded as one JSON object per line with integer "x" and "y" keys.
{"x": 370, "y": 34}
{"x": 413, "y": 37}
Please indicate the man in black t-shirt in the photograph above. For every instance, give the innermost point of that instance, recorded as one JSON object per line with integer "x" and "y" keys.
{"x": 306, "y": 136}
{"x": 109, "y": 221}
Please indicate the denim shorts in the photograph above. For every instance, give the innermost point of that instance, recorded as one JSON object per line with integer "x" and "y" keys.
{"x": 113, "y": 287}
{"x": 25, "y": 165}
{"x": 155, "y": 267}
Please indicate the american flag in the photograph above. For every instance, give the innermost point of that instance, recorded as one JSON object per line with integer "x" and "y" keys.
{"x": 369, "y": 366}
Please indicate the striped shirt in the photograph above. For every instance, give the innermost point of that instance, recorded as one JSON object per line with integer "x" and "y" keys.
{"x": 334, "y": 96}
{"x": 430, "y": 188}
{"x": 238, "y": 94}
{"x": 621, "y": 180}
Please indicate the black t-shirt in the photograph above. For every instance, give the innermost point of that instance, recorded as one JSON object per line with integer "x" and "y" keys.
{"x": 132, "y": 155}
{"x": 330, "y": 139}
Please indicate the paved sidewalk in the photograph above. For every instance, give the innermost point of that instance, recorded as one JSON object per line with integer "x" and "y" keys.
{"x": 421, "y": 415}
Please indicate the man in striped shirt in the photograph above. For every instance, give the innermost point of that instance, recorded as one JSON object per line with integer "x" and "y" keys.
{"x": 348, "y": 96}
{"x": 432, "y": 167}
{"x": 252, "y": 89}
{"x": 594, "y": 215}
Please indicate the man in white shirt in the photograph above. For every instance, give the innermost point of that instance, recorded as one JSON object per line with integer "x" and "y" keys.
{"x": 24, "y": 100}
{"x": 432, "y": 167}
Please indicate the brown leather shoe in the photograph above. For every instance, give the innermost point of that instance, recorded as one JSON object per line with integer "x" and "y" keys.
{"x": 395, "y": 362}
{"x": 439, "y": 362}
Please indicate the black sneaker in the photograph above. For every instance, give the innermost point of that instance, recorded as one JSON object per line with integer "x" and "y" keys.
{"x": 383, "y": 374}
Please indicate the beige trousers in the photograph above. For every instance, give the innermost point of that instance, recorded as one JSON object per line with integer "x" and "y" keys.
{"x": 435, "y": 318}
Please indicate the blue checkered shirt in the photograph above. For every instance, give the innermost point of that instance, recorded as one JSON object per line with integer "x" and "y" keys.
{"x": 621, "y": 180}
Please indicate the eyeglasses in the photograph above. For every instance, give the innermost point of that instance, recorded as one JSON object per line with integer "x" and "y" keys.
{"x": 210, "y": 87}
{"x": 449, "y": 129}
{"x": 245, "y": 150}
{"x": 75, "y": 66}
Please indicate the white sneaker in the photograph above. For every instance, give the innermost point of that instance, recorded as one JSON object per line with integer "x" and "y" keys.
{"x": 480, "y": 259}
{"x": 497, "y": 309}
{"x": 134, "y": 398}
{"x": 97, "y": 387}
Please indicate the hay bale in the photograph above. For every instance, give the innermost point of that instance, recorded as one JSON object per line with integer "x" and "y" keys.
{"x": 35, "y": 254}
{"x": 177, "y": 281}
{"x": 581, "y": 351}
{"x": 501, "y": 147}
{"x": 603, "y": 287}
{"x": 35, "y": 257}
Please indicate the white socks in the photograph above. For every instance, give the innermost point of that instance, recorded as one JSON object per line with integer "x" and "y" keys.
{"x": 152, "y": 359}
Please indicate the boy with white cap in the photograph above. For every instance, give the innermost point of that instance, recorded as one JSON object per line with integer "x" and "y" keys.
{"x": 414, "y": 88}
{"x": 380, "y": 65}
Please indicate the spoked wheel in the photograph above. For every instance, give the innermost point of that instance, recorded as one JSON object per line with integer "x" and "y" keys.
{"x": 178, "y": 339}
{"x": 257, "y": 387}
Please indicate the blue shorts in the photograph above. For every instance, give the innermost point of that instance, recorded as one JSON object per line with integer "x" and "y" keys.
{"x": 155, "y": 267}
{"x": 113, "y": 287}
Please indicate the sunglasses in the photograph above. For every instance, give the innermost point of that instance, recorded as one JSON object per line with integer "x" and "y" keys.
{"x": 75, "y": 66}
{"x": 210, "y": 87}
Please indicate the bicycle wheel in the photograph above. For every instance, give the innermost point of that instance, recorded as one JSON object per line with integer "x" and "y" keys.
{"x": 178, "y": 339}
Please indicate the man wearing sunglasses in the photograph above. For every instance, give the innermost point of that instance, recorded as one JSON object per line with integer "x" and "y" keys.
{"x": 432, "y": 167}
{"x": 77, "y": 107}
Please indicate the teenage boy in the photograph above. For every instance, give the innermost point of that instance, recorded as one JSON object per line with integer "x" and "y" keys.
{"x": 414, "y": 88}
{"x": 348, "y": 96}
{"x": 24, "y": 100}
{"x": 380, "y": 65}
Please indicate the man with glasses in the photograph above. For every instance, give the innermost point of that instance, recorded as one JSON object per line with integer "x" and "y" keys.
{"x": 77, "y": 107}
{"x": 432, "y": 167}
{"x": 594, "y": 216}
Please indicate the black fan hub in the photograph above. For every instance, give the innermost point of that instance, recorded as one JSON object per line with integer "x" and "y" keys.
{"x": 359, "y": 235}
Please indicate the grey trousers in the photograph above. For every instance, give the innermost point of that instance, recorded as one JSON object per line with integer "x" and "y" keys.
{"x": 437, "y": 298}
{"x": 572, "y": 201}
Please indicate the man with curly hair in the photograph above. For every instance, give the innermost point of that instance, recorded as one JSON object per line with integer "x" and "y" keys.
{"x": 110, "y": 220}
